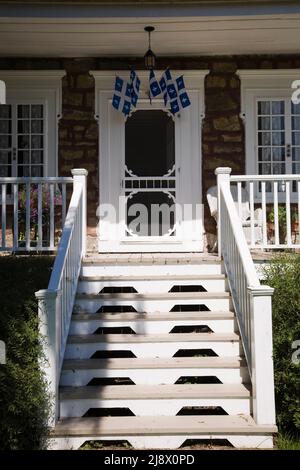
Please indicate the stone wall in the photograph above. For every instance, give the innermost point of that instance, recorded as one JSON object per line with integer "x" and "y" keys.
{"x": 78, "y": 131}
{"x": 223, "y": 130}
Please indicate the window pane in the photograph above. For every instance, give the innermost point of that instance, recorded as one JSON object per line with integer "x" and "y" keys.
{"x": 264, "y": 138}
{"x": 264, "y": 153}
{"x": 277, "y": 107}
{"x": 278, "y": 138}
{"x": 23, "y": 111}
{"x": 296, "y": 153}
{"x": 36, "y": 142}
{"x": 37, "y": 127}
{"x": 295, "y": 108}
{"x": 263, "y": 107}
{"x": 5, "y": 126}
{"x": 5, "y": 171}
{"x": 265, "y": 168}
{"x": 264, "y": 123}
{"x": 23, "y": 157}
{"x": 278, "y": 153}
{"x": 23, "y": 127}
{"x": 36, "y": 170}
{"x": 37, "y": 156}
{"x": 5, "y": 157}
{"x": 23, "y": 142}
{"x": 36, "y": 111}
{"x": 5, "y": 142}
{"x": 296, "y": 138}
{"x": 5, "y": 111}
{"x": 296, "y": 168}
{"x": 296, "y": 123}
{"x": 278, "y": 168}
{"x": 23, "y": 171}
{"x": 277, "y": 123}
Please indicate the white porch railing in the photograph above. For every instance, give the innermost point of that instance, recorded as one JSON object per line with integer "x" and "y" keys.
{"x": 277, "y": 200}
{"x": 252, "y": 301}
{"x": 33, "y": 212}
{"x": 55, "y": 304}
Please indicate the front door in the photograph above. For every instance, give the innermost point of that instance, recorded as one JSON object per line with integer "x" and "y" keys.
{"x": 150, "y": 177}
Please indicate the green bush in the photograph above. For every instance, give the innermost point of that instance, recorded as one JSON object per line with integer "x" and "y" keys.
{"x": 23, "y": 390}
{"x": 283, "y": 274}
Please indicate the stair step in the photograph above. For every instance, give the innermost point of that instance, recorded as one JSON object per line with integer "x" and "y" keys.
{"x": 155, "y": 363}
{"x": 142, "y": 392}
{"x": 157, "y": 296}
{"x": 160, "y": 345}
{"x": 229, "y": 370}
{"x": 167, "y": 277}
{"x": 154, "y": 400}
{"x": 155, "y": 316}
{"x": 154, "y": 258}
{"x": 152, "y": 323}
{"x": 148, "y": 267}
{"x": 172, "y": 337}
{"x": 148, "y": 425}
{"x": 153, "y": 302}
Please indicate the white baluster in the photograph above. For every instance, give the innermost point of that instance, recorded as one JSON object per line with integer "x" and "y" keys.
{"x": 288, "y": 214}
{"x": 264, "y": 213}
{"x": 3, "y": 215}
{"x": 276, "y": 224}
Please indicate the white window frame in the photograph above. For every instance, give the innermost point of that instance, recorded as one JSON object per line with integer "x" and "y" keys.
{"x": 44, "y": 86}
{"x": 261, "y": 85}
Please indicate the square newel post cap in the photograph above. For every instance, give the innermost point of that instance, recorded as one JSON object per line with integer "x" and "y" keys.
{"x": 79, "y": 172}
{"x": 223, "y": 170}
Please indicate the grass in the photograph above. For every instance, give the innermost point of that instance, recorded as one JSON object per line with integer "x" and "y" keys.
{"x": 287, "y": 442}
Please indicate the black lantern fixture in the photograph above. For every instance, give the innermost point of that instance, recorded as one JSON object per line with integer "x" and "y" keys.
{"x": 149, "y": 56}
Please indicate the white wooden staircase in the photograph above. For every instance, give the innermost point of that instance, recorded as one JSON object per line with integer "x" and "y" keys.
{"x": 154, "y": 357}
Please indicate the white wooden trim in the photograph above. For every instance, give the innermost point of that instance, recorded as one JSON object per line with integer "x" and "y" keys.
{"x": 45, "y": 86}
{"x": 188, "y": 135}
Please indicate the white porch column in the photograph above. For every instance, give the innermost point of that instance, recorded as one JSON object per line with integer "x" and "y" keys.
{"x": 262, "y": 355}
{"x": 80, "y": 176}
{"x": 223, "y": 176}
{"x": 49, "y": 329}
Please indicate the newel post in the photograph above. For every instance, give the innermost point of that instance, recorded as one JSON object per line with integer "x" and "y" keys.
{"x": 262, "y": 354}
{"x": 80, "y": 177}
{"x": 49, "y": 331}
{"x": 223, "y": 176}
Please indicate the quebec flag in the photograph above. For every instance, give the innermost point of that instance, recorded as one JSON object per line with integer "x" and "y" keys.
{"x": 153, "y": 85}
{"x": 122, "y": 97}
{"x": 135, "y": 84}
{"x": 174, "y": 92}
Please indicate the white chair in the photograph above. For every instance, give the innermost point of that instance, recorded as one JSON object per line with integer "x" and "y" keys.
{"x": 212, "y": 199}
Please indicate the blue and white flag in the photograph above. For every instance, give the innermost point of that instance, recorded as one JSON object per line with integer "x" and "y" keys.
{"x": 135, "y": 87}
{"x": 122, "y": 96}
{"x": 154, "y": 87}
{"x": 174, "y": 92}
{"x": 165, "y": 81}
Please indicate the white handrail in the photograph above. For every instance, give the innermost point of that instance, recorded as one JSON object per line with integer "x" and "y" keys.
{"x": 55, "y": 304}
{"x": 251, "y": 300}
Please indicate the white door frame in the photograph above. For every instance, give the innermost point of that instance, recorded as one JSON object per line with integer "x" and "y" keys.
{"x": 112, "y": 150}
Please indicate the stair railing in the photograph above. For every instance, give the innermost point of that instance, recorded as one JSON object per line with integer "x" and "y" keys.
{"x": 55, "y": 304}
{"x": 251, "y": 300}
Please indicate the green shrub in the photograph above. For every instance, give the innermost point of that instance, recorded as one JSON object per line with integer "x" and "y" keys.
{"x": 283, "y": 274}
{"x": 23, "y": 389}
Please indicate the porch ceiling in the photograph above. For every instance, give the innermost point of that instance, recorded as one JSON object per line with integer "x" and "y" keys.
{"x": 124, "y": 36}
